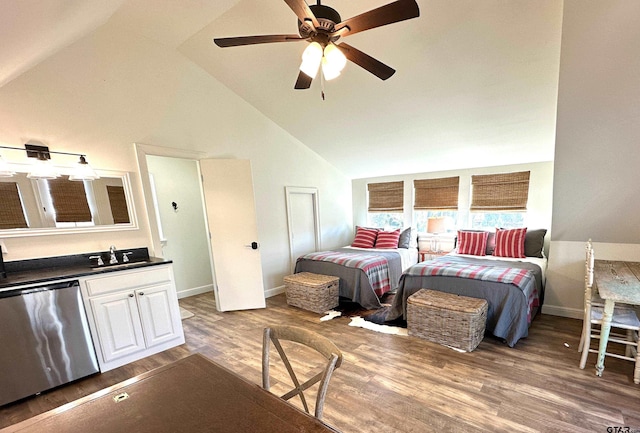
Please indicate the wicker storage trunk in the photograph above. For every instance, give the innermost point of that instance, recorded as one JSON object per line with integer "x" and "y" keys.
{"x": 313, "y": 292}
{"x": 444, "y": 318}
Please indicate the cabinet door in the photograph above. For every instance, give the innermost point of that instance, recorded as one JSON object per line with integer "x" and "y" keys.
{"x": 118, "y": 324}
{"x": 160, "y": 318}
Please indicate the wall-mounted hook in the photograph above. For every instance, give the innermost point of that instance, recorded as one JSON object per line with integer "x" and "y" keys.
{"x": 174, "y": 205}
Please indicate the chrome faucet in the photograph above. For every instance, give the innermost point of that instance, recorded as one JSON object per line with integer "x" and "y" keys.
{"x": 100, "y": 261}
{"x": 112, "y": 255}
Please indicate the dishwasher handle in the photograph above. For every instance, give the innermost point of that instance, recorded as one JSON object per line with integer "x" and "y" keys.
{"x": 43, "y": 288}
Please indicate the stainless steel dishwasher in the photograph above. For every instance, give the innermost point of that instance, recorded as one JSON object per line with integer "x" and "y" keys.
{"x": 44, "y": 339}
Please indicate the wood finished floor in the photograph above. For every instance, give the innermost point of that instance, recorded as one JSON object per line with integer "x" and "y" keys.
{"x": 391, "y": 383}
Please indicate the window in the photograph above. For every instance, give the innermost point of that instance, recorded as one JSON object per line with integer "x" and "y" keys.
{"x": 421, "y": 218}
{"x": 499, "y": 200}
{"x": 491, "y": 220}
{"x": 12, "y": 211}
{"x": 435, "y": 198}
{"x": 386, "y": 204}
{"x": 69, "y": 200}
{"x": 385, "y": 220}
{"x": 118, "y": 204}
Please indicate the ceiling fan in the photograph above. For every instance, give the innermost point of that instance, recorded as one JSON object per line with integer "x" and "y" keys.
{"x": 322, "y": 27}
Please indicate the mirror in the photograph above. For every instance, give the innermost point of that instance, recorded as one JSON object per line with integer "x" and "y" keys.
{"x": 41, "y": 206}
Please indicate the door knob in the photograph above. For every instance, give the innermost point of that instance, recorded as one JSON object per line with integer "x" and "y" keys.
{"x": 253, "y": 245}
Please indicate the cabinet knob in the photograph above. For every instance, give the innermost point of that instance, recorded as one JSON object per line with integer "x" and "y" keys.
{"x": 131, "y": 295}
{"x": 141, "y": 293}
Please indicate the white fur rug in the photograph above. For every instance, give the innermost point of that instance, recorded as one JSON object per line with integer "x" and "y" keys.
{"x": 359, "y": 322}
{"x": 385, "y": 329}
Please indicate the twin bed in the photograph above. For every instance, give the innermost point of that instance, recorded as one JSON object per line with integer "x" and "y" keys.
{"x": 365, "y": 273}
{"x": 513, "y": 287}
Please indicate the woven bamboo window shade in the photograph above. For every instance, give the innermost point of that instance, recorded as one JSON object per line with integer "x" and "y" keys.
{"x": 11, "y": 211}
{"x": 69, "y": 200}
{"x": 436, "y": 194}
{"x": 386, "y": 197}
{"x": 118, "y": 204}
{"x": 500, "y": 192}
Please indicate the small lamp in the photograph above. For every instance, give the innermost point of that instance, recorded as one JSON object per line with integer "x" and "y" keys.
{"x": 83, "y": 171}
{"x": 436, "y": 225}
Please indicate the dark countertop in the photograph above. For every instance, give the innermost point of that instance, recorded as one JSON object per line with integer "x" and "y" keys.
{"x": 50, "y": 269}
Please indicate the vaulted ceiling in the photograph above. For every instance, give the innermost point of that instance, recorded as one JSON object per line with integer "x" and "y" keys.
{"x": 476, "y": 81}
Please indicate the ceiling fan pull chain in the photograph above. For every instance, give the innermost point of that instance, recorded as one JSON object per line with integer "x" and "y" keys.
{"x": 322, "y": 85}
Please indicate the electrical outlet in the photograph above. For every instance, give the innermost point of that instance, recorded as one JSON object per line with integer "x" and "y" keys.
{"x": 4, "y": 247}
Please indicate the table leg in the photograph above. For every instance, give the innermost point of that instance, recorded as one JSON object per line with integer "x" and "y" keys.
{"x": 604, "y": 334}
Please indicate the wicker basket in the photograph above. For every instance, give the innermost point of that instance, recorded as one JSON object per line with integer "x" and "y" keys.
{"x": 447, "y": 319}
{"x": 313, "y": 292}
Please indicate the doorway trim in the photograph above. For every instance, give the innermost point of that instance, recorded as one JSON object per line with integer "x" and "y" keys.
{"x": 142, "y": 150}
{"x": 289, "y": 191}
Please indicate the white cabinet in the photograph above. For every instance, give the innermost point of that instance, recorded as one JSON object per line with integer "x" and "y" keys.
{"x": 132, "y": 314}
{"x": 118, "y": 326}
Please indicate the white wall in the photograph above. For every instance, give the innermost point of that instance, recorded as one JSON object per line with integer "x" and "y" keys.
{"x": 113, "y": 88}
{"x": 596, "y": 159}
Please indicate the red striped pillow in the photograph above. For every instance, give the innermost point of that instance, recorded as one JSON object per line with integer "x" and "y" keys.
{"x": 365, "y": 238}
{"x": 510, "y": 243}
{"x": 388, "y": 239}
{"x": 472, "y": 243}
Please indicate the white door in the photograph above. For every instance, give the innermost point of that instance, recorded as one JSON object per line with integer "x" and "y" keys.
{"x": 231, "y": 217}
{"x": 302, "y": 216}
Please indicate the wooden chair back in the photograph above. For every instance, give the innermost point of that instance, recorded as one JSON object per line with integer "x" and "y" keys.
{"x": 313, "y": 340}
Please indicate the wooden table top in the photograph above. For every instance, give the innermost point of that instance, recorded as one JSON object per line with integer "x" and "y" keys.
{"x": 618, "y": 280}
{"x": 191, "y": 395}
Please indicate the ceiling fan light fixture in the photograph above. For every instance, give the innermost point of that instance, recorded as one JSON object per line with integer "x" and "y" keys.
{"x": 311, "y": 58}
{"x": 329, "y": 71}
{"x": 335, "y": 57}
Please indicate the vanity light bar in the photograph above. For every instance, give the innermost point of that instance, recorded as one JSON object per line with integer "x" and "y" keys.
{"x": 43, "y": 169}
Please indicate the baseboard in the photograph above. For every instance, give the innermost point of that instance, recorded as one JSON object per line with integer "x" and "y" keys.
{"x": 553, "y": 310}
{"x": 195, "y": 291}
{"x": 209, "y": 288}
{"x": 273, "y": 292}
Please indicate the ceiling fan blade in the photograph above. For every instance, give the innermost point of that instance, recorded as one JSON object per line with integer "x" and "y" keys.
{"x": 367, "y": 62}
{"x": 250, "y": 40}
{"x": 302, "y": 10}
{"x": 303, "y": 81}
{"x": 391, "y": 13}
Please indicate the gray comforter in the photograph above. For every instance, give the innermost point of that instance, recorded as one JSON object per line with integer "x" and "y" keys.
{"x": 511, "y": 308}
{"x": 354, "y": 283}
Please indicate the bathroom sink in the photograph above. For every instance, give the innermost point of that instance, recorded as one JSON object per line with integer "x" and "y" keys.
{"x": 127, "y": 265}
